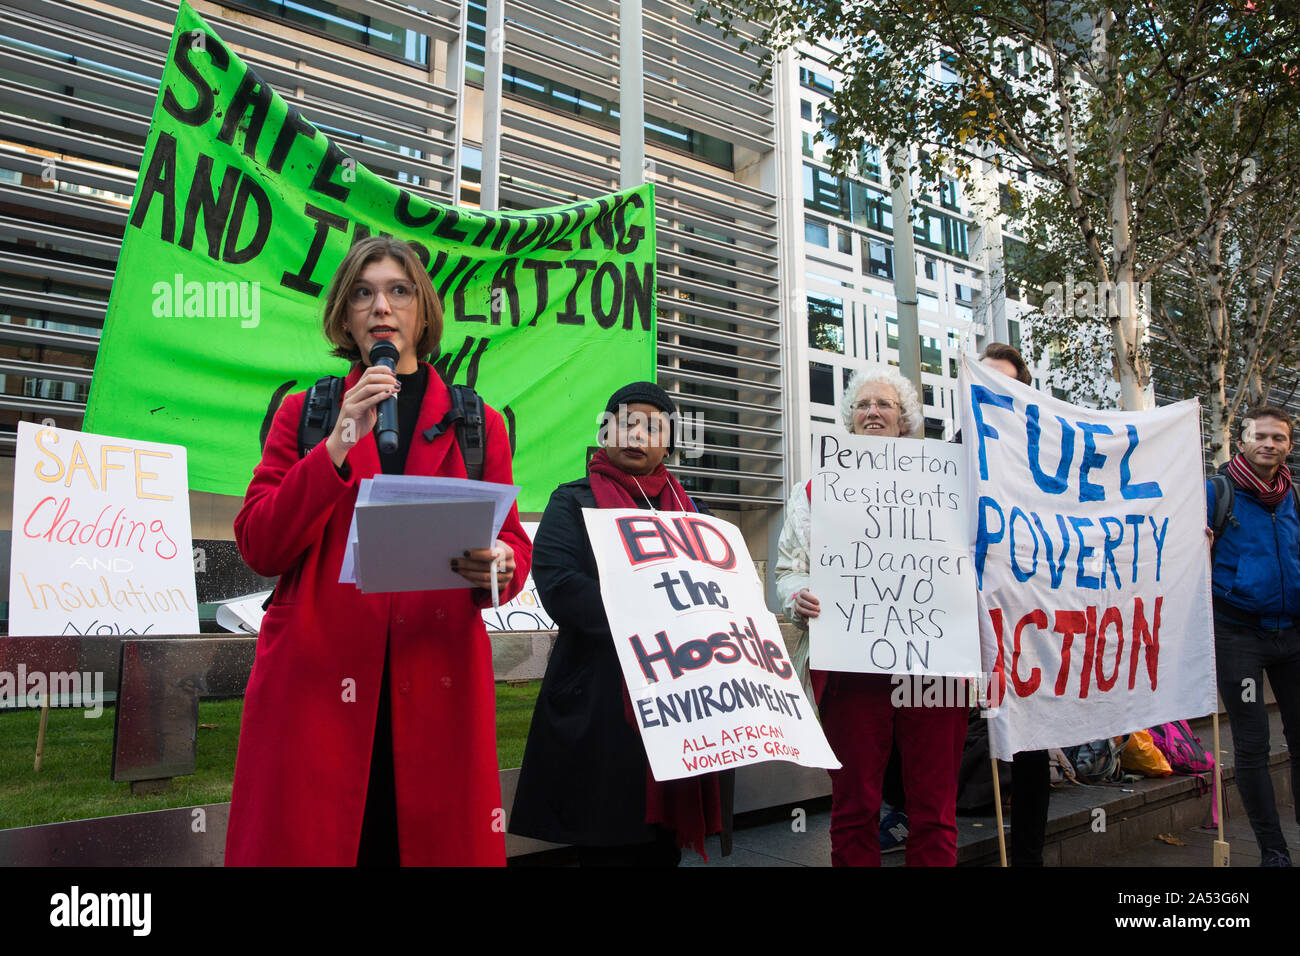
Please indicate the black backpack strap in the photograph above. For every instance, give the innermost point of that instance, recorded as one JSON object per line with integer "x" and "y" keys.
{"x": 1223, "y": 495}
{"x": 468, "y": 414}
{"x": 471, "y": 429}
{"x": 319, "y": 413}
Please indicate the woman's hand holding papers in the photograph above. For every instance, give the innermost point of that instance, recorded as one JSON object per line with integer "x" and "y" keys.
{"x": 475, "y": 567}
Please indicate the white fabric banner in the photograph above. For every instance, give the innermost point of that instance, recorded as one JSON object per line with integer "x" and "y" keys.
{"x": 709, "y": 676}
{"x": 1092, "y": 564}
{"x": 889, "y": 557}
{"x": 101, "y": 540}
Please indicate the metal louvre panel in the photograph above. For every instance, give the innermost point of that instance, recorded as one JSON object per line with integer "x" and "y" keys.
{"x": 665, "y": 18}
{"x": 39, "y": 267}
{"x": 82, "y": 243}
{"x": 544, "y": 63}
{"x": 539, "y": 32}
{"x": 729, "y": 337}
{"x": 725, "y": 211}
{"x": 16, "y": 94}
{"x": 41, "y": 406}
{"x": 78, "y": 143}
{"x": 673, "y": 281}
{"x": 79, "y": 311}
{"x": 30, "y": 336}
{"x": 564, "y": 170}
{"x": 80, "y": 172}
{"x": 44, "y": 370}
{"x": 51, "y": 205}
{"x": 726, "y": 273}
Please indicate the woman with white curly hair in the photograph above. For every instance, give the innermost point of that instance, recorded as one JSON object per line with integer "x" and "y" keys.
{"x": 857, "y": 712}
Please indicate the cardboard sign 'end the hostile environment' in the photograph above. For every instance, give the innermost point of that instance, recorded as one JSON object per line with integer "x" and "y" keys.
{"x": 710, "y": 680}
{"x": 243, "y": 211}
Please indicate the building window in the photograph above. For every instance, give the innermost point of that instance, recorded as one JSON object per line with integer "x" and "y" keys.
{"x": 825, "y": 193}
{"x": 929, "y": 268}
{"x": 821, "y": 383}
{"x": 924, "y": 300}
{"x": 816, "y": 233}
{"x": 845, "y": 241}
{"x": 805, "y": 110}
{"x": 869, "y": 164}
{"x": 816, "y": 81}
{"x": 878, "y": 258}
{"x": 946, "y": 72}
{"x": 931, "y": 360}
{"x": 826, "y": 323}
{"x": 949, "y": 197}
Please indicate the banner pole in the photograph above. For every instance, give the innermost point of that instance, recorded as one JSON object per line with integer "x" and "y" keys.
{"x": 1220, "y": 845}
{"x": 40, "y": 734}
{"x": 997, "y": 812}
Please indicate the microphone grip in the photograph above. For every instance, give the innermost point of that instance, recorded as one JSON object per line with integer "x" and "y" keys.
{"x": 386, "y": 427}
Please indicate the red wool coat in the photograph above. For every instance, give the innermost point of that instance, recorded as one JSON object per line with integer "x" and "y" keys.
{"x": 309, "y": 711}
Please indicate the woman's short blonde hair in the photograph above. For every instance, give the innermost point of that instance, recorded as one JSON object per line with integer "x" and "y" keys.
{"x": 910, "y": 416}
{"x": 375, "y": 249}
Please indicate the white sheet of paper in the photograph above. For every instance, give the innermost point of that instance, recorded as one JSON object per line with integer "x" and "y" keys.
{"x": 395, "y": 488}
{"x": 348, "y": 572}
{"x": 402, "y": 490}
{"x": 242, "y": 615}
{"x": 408, "y": 546}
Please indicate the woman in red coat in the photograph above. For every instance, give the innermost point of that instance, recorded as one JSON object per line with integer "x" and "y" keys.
{"x": 368, "y": 731}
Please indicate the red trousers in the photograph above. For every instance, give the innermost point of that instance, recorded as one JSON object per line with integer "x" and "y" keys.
{"x": 861, "y": 724}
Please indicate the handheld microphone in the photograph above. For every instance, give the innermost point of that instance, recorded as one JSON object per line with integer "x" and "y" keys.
{"x": 385, "y": 354}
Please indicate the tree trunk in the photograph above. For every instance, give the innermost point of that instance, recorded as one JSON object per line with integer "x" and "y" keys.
{"x": 1128, "y": 330}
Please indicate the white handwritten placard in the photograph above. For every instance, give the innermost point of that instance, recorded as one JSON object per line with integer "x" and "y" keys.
{"x": 101, "y": 536}
{"x": 890, "y": 562}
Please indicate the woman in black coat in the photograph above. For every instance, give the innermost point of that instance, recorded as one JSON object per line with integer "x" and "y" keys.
{"x": 585, "y": 778}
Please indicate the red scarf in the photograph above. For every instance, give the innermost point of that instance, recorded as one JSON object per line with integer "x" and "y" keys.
{"x": 691, "y": 807}
{"x": 615, "y": 488}
{"x": 1268, "y": 493}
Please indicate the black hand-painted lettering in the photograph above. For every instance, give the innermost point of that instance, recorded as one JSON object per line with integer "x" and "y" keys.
{"x": 201, "y": 111}
{"x": 215, "y": 210}
{"x": 253, "y": 98}
{"x": 325, "y": 221}
{"x": 248, "y": 189}
{"x": 159, "y": 180}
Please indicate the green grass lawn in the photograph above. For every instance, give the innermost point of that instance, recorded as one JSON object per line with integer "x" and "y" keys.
{"x": 74, "y": 782}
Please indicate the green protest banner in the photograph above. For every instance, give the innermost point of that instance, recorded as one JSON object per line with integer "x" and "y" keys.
{"x": 243, "y": 211}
